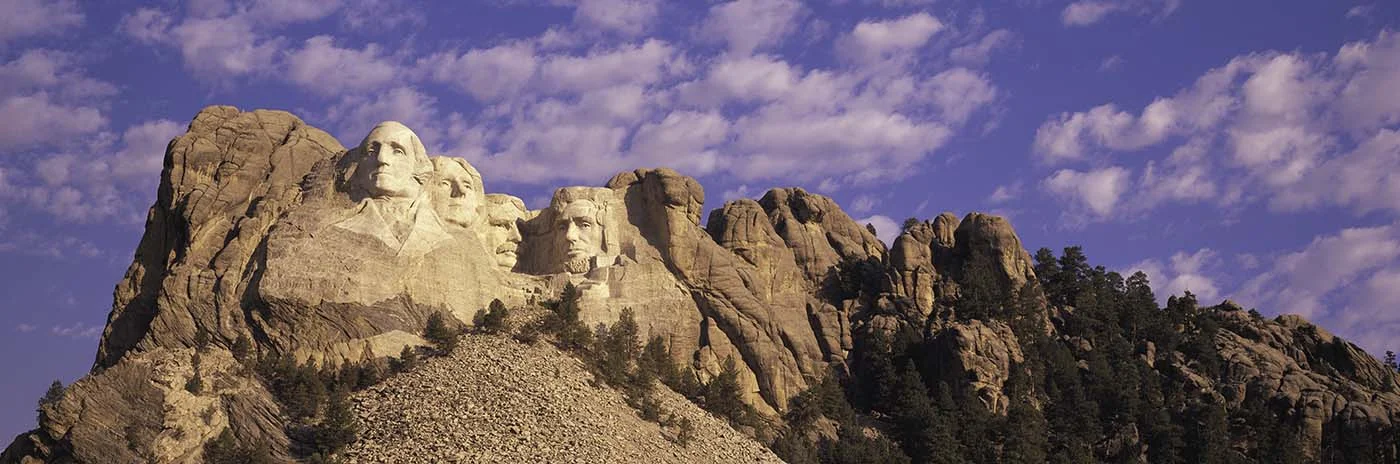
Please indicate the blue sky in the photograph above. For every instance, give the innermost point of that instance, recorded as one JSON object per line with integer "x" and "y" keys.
{"x": 1247, "y": 149}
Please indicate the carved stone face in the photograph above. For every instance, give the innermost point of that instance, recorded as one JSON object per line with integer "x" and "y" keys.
{"x": 501, "y": 233}
{"x": 390, "y": 162}
{"x": 456, "y": 194}
{"x": 580, "y": 234}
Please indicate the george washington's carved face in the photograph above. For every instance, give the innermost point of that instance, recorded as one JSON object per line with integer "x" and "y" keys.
{"x": 392, "y": 162}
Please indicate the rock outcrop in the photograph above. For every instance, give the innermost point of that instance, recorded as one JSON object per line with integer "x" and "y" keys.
{"x": 268, "y": 229}
{"x": 517, "y": 403}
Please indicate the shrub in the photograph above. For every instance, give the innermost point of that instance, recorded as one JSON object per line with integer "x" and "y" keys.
{"x": 563, "y": 321}
{"x": 408, "y": 358}
{"x": 440, "y": 333}
{"x": 338, "y": 428}
{"x": 51, "y": 396}
{"x": 493, "y": 320}
{"x": 242, "y": 350}
{"x": 195, "y": 384}
{"x": 686, "y": 434}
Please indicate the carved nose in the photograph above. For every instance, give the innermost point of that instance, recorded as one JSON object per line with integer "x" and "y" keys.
{"x": 571, "y": 234}
{"x": 513, "y": 235}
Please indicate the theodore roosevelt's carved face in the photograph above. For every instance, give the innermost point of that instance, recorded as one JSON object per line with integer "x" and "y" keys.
{"x": 393, "y": 162}
{"x": 579, "y": 233}
{"x": 500, "y": 230}
{"x": 457, "y": 192}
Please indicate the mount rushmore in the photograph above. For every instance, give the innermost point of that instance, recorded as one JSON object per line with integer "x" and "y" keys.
{"x": 268, "y": 229}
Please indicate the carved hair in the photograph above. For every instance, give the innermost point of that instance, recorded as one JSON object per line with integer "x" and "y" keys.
{"x": 471, "y": 171}
{"x": 501, "y": 199}
{"x": 422, "y": 166}
{"x": 601, "y": 198}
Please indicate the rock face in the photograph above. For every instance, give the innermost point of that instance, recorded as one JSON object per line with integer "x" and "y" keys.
{"x": 518, "y": 403}
{"x": 981, "y": 354}
{"x": 1326, "y": 383}
{"x": 268, "y": 229}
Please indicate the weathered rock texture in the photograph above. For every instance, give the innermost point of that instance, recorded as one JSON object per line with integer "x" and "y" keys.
{"x": 243, "y": 240}
{"x": 496, "y": 400}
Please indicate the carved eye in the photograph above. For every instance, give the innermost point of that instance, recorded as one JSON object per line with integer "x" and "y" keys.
{"x": 398, "y": 151}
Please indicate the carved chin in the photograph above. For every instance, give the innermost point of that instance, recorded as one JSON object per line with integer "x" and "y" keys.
{"x": 578, "y": 265}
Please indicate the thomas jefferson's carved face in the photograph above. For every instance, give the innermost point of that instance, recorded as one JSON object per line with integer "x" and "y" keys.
{"x": 390, "y": 161}
{"x": 580, "y": 234}
{"x": 501, "y": 232}
{"x": 456, "y": 196}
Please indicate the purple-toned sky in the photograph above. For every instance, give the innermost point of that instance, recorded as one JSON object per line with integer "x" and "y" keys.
{"x": 1243, "y": 149}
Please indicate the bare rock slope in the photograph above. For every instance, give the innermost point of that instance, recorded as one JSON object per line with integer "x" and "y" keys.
{"x": 498, "y": 400}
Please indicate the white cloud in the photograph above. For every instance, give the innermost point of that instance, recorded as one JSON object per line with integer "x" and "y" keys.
{"x": 222, "y": 48}
{"x": 55, "y": 71}
{"x": 1070, "y": 136}
{"x": 77, "y": 330}
{"x": 1097, "y": 190}
{"x": 1005, "y": 193}
{"x": 1370, "y": 71}
{"x": 1361, "y": 11}
{"x": 749, "y": 25}
{"x": 294, "y": 11}
{"x": 27, "y": 18}
{"x": 736, "y": 193}
{"x": 322, "y": 67}
{"x": 489, "y": 74}
{"x": 1089, "y": 12}
{"x": 1365, "y": 179}
{"x": 863, "y": 204}
{"x": 959, "y": 92}
{"x": 748, "y": 79}
{"x": 1111, "y": 63}
{"x": 624, "y": 17}
{"x": 1345, "y": 281}
{"x": 59, "y": 247}
{"x": 684, "y": 140}
{"x": 881, "y": 40}
{"x": 25, "y": 328}
{"x": 1296, "y": 131}
{"x": 885, "y": 228}
{"x": 980, "y": 52}
{"x": 31, "y": 120}
{"x": 354, "y": 115}
{"x": 643, "y": 64}
{"x": 112, "y": 178}
{"x": 146, "y": 25}
{"x": 1184, "y": 272}
{"x": 1299, "y": 281}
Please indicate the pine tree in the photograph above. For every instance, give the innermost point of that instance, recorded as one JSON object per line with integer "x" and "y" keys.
{"x": 1073, "y": 275}
{"x": 980, "y": 294}
{"x": 408, "y": 358}
{"x": 494, "y": 319}
{"x": 1026, "y": 429}
{"x": 656, "y": 362}
{"x": 909, "y": 223}
{"x": 724, "y": 396}
{"x": 440, "y": 334}
{"x": 338, "y": 428}
{"x": 51, "y": 397}
{"x": 242, "y": 350}
{"x": 617, "y": 347}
